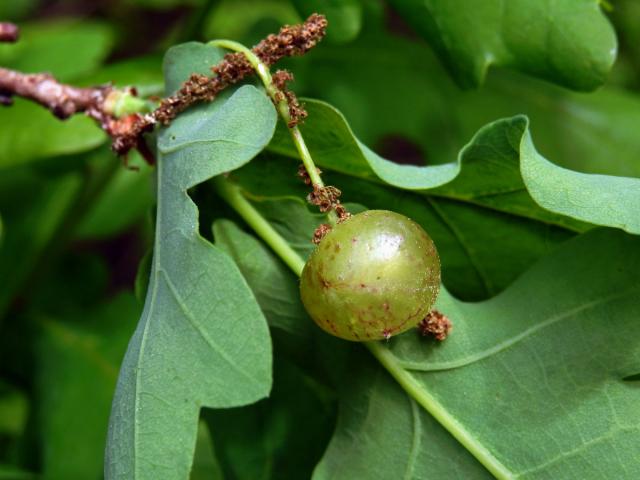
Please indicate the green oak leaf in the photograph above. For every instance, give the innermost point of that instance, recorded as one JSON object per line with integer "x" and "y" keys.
{"x": 504, "y": 381}
{"x": 534, "y": 381}
{"x": 202, "y": 339}
{"x": 481, "y": 250}
{"x": 429, "y": 113}
{"x": 366, "y": 392}
{"x": 499, "y": 168}
{"x": 568, "y": 42}
{"x": 182, "y": 60}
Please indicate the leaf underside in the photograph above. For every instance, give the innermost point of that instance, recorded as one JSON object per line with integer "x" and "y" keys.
{"x": 202, "y": 339}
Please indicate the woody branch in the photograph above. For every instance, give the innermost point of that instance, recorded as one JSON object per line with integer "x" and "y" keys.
{"x": 126, "y": 132}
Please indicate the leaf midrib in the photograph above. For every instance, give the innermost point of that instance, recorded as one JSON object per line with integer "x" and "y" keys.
{"x": 152, "y": 302}
{"x": 180, "y": 146}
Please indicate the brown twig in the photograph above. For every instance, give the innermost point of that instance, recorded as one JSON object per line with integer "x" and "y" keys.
{"x": 290, "y": 41}
{"x": 126, "y": 132}
{"x": 62, "y": 100}
{"x": 9, "y": 32}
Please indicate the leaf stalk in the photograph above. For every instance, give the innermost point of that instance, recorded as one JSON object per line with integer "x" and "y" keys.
{"x": 232, "y": 194}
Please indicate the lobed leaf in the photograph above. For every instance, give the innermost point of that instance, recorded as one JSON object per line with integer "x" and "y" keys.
{"x": 274, "y": 286}
{"x": 481, "y": 250}
{"x": 429, "y": 117}
{"x": 531, "y": 395}
{"x": 549, "y": 384}
{"x": 202, "y": 339}
{"x": 383, "y": 433}
{"x": 536, "y": 393}
{"x": 499, "y": 169}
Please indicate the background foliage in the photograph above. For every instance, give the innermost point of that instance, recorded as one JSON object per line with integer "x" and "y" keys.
{"x": 528, "y": 183}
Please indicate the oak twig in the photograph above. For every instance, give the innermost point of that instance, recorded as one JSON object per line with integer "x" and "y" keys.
{"x": 126, "y": 132}
{"x": 290, "y": 41}
{"x": 62, "y": 100}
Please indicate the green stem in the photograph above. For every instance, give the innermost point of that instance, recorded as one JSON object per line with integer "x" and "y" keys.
{"x": 233, "y": 196}
{"x": 283, "y": 109}
{"x": 122, "y": 102}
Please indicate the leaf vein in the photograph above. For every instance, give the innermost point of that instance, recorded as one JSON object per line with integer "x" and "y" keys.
{"x": 570, "y": 453}
{"x": 421, "y": 366}
{"x": 208, "y": 340}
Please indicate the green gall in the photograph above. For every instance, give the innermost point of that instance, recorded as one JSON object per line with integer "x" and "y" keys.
{"x": 375, "y": 275}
